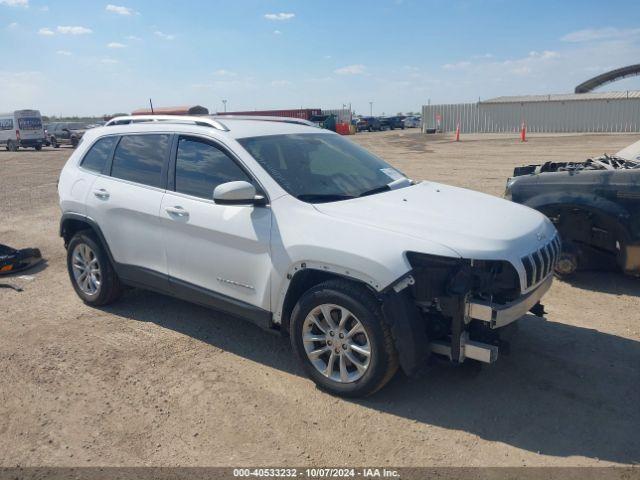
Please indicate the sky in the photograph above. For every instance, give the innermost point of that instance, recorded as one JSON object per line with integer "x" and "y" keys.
{"x": 95, "y": 57}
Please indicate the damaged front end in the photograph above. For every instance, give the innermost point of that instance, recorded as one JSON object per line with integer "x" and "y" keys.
{"x": 457, "y": 308}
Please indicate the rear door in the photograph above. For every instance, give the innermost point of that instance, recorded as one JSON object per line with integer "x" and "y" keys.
{"x": 125, "y": 202}
{"x": 221, "y": 249}
{"x": 30, "y": 125}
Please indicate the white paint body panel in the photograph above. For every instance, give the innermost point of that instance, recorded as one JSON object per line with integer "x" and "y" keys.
{"x": 223, "y": 248}
{"x": 129, "y": 221}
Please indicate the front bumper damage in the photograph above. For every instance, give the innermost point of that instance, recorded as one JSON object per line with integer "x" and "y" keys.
{"x": 456, "y": 323}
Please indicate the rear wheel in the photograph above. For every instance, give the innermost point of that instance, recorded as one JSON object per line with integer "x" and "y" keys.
{"x": 338, "y": 334}
{"x": 74, "y": 142}
{"x": 38, "y": 147}
{"x": 12, "y": 146}
{"x": 91, "y": 273}
{"x": 54, "y": 142}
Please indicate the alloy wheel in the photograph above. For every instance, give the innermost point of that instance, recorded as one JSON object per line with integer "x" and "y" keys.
{"x": 336, "y": 343}
{"x": 86, "y": 269}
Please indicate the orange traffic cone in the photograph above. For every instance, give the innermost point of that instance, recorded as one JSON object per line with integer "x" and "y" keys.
{"x": 523, "y": 132}
{"x": 458, "y": 132}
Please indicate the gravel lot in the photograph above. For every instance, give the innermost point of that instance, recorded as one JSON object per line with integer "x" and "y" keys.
{"x": 156, "y": 381}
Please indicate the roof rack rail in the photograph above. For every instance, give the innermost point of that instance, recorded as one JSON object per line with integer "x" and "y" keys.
{"x": 264, "y": 118}
{"x": 203, "y": 121}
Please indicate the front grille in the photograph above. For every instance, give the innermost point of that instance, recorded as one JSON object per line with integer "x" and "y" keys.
{"x": 541, "y": 262}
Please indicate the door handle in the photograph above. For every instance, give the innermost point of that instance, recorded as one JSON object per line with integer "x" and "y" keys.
{"x": 177, "y": 211}
{"x": 102, "y": 194}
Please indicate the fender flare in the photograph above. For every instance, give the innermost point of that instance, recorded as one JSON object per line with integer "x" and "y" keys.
{"x": 325, "y": 267}
{"x": 69, "y": 216}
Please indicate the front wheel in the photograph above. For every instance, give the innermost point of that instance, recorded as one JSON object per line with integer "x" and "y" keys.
{"x": 12, "y": 146}
{"x": 54, "y": 142}
{"x": 38, "y": 147}
{"x": 91, "y": 273}
{"x": 338, "y": 334}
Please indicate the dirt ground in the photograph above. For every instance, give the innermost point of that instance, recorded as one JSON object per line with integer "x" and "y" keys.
{"x": 156, "y": 381}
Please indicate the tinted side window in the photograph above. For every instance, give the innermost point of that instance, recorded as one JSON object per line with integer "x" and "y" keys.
{"x": 6, "y": 124}
{"x": 201, "y": 167}
{"x": 140, "y": 158}
{"x": 97, "y": 156}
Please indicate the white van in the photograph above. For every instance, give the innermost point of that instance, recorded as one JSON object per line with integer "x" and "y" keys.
{"x": 22, "y": 128}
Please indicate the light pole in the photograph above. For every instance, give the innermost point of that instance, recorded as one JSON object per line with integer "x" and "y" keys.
{"x": 371, "y": 109}
{"x": 224, "y": 102}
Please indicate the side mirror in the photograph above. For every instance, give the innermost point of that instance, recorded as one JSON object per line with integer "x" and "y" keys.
{"x": 237, "y": 193}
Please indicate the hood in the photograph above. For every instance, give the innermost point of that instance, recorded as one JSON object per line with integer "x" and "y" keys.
{"x": 473, "y": 224}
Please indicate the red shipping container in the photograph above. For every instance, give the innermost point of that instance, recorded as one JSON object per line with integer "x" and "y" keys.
{"x": 303, "y": 113}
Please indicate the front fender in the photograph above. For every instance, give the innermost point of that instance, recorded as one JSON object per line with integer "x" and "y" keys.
{"x": 593, "y": 203}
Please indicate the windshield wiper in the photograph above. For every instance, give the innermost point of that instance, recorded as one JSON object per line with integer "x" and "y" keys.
{"x": 373, "y": 191}
{"x": 398, "y": 183}
{"x": 323, "y": 197}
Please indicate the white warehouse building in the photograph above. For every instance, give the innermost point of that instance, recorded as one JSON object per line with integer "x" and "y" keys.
{"x": 582, "y": 112}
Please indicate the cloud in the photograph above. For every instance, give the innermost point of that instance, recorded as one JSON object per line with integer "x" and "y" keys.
{"x": 22, "y": 88}
{"x": 224, "y": 73}
{"x": 120, "y": 10}
{"x": 164, "y": 36}
{"x": 109, "y": 61}
{"x": 133, "y": 37}
{"x": 46, "y": 31}
{"x": 277, "y": 32}
{"x": 13, "y": 25}
{"x": 279, "y": 16}
{"x": 350, "y": 70}
{"x": 67, "y": 30}
{"x": 605, "y": 33}
{"x": 15, "y": 3}
{"x": 65, "y": 53}
{"x": 281, "y": 83}
{"x": 456, "y": 65}
{"x": 116, "y": 45}
{"x": 546, "y": 55}
{"x": 523, "y": 70}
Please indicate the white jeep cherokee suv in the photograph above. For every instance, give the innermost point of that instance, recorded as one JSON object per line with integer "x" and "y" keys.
{"x": 300, "y": 230}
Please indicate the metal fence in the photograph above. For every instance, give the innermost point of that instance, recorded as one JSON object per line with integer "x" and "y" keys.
{"x": 343, "y": 115}
{"x": 620, "y": 115}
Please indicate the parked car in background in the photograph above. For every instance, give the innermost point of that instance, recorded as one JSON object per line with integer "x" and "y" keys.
{"x": 65, "y": 133}
{"x": 22, "y": 128}
{"x": 384, "y": 123}
{"x": 396, "y": 122}
{"x": 304, "y": 232}
{"x": 594, "y": 204}
{"x": 369, "y": 123}
{"x": 412, "y": 122}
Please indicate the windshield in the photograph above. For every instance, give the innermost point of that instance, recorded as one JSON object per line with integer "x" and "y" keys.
{"x": 319, "y": 167}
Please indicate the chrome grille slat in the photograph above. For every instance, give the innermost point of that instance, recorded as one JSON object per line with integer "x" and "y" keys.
{"x": 539, "y": 264}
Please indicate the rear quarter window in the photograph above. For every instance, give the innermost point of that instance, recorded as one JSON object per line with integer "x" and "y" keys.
{"x": 98, "y": 155}
{"x": 141, "y": 158}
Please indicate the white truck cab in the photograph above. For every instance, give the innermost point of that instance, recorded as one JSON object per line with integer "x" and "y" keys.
{"x": 22, "y": 128}
{"x": 300, "y": 230}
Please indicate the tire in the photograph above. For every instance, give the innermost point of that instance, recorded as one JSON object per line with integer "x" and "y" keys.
{"x": 38, "y": 147}
{"x": 12, "y": 146}
{"x": 363, "y": 310}
{"x": 109, "y": 288}
{"x": 370, "y": 129}
{"x": 74, "y": 142}
{"x": 54, "y": 142}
